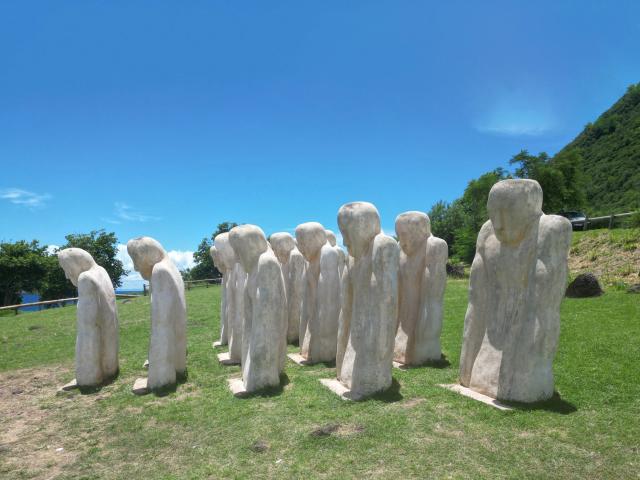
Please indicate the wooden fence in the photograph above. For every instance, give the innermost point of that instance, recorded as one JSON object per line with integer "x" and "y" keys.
{"x": 610, "y": 219}
{"x": 59, "y": 302}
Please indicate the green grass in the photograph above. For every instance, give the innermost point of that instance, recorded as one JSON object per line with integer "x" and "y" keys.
{"x": 417, "y": 430}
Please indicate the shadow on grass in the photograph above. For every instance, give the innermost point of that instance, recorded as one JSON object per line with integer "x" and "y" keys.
{"x": 391, "y": 394}
{"x": 90, "y": 390}
{"x": 443, "y": 362}
{"x": 269, "y": 391}
{"x": 555, "y": 404}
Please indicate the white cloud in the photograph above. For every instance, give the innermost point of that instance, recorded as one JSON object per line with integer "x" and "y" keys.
{"x": 124, "y": 212}
{"x": 24, "y": 198}
{"x": 52, "y": 249}
{"x": 183, "y": 259}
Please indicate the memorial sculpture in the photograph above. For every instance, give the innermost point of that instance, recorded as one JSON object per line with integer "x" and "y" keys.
{"x": 96, "y": 360}
{"x": 234, "y": 299}
{"x": 342, "y": 256}
{"x": 265, "y": 306}
{"x": 167, "y": 345}
{"x": 518, "y": 278}
{"x": 369, "y": 306}
{"x": 321, "y": 296}
{"x": 422, "y": 278}
{"x": 221, "y": 267}
{"x": 292, "y": 264}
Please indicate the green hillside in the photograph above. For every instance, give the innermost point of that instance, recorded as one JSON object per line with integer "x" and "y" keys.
{"x": 610, "y": 149}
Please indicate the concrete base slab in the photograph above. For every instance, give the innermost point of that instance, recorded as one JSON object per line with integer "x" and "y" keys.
{"x": 218, "y": 344}
{"x": 225, "y": 359}
{"x": 467, "y": 392}
{"x": 299, "y": 359}
{"x": 400, "y": 365}
{"x": 140, "y": 386}
{"x": 338, "y": 388}
{"x": 69, "y": 386}
{"x": 146, "y": 364}
{"x": 237, "y": 387}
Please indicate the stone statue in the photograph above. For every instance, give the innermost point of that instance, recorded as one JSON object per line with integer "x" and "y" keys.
{"x": 518, "y": 278}
{"x": 219, "y": 264}
{"x": 342, "y": 256}
{"x": 369, "y": 313}
{"x": 97, "y": 319}
{"x": 292, "y": 264}
{"x": 422, "y": 278}
{"x": 234, "y": 298}
{"x": 167, "y": 345}
{"x": 265, "y": 306}
{"x": 321, "y": 297}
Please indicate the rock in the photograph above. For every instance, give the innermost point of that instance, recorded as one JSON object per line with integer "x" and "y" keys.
{"x": 455, "y": 271}
{"x": 259, "y": 446}
{"x": 140, "y": 386}
{"x": 634, "y": 288}
{"x": 325, "y": 430}
{"x": 583, "y": 286}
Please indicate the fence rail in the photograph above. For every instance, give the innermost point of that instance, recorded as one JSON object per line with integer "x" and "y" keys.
{"x": 60, "y": 301}
{"x": 611, "y": 218}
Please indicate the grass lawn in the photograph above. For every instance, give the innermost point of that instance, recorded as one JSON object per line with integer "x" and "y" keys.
{"x": 417, "y": 430}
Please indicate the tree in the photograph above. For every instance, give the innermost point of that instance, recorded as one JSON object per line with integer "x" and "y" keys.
{"x": 102, "y": 246}
{"x": 446, "y": 218}
{"x": 561, "y": 178}
{"x": 204, "y": 267}
{"x": 22, "y": 268}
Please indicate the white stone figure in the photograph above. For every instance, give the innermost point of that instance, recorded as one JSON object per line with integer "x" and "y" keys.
{"x": 167, "y": 345}
{"x": 222, "y": 268}
{"x": 265, "y": 305}
{"x": 97, "y": 319}
{"x": 370, "y": 304}
{"x": 342, "y": 256}
{"x": 422, "y": 278}
{"x": 517, "y": 282}
{"x": 234, "y": 300}
{"x": 321, "y": 297}
{"x": 292, "y": 264}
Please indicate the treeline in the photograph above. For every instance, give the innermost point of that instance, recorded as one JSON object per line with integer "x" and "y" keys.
{"x": 459, "y": 222}
{"x": 31, "y": 267}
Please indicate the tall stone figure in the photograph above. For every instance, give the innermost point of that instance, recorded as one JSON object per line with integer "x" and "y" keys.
{"x": 342, "y": 256}
{"x": 369, "y": 307}
{"x": 222, "y": 268}
{"x": 421, "y": 282}
{"x": 292, "y": 264}
{"x": 321, "y": 297}
{"x": 167, "y": 345}
{"x": 517, "y": 282}
{"x": 236, "y": 279}
{"x": 97, "y": 319}
{"x": 265, "y": 306}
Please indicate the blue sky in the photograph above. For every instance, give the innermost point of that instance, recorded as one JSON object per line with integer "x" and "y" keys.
{"x": 166, "y": 118}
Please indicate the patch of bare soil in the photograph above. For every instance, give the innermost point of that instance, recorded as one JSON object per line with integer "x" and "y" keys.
{"x": 609, "y": 262}
{"x": 337, "y": 429}
{"x": 36, "y": 420}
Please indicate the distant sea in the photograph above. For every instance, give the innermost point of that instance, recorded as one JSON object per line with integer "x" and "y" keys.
{"x": 34, "y": 297}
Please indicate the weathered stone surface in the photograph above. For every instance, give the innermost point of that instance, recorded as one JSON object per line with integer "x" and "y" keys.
{"x": 265, "y": 305}
{"x": 517, "y": 283}
{"x": 368, "y": 318}
{"x": 293, "y": 265}
{"x": 97, "y": 340}
{"x": 168, "y": 343}
{"x": 234, "y": 279}
{"x": 140, "y": 386}
{"x": 222, "y": 268}
{"x": 583, "y": 286}
{"x": 422, "y": 279}
{"x": 321, "y": 298}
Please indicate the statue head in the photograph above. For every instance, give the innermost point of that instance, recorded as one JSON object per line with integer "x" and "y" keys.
{"x": 311, "y": 238}
{"x": 145, "y": 253}
{"x": 74, "y": 261}
{"x": 249, "y": 242}
{"x": 413, "y": 229}
{"x": 215, "y": 256}
{"x": 331, "y": 238}
{"x": 513, "y": 205}
{"x": 359, "y": 223}
{"x": 226, "y": 253}
{"x": 282, "y": 244}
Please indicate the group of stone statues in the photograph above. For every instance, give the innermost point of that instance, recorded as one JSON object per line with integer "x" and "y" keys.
{"x": 378, "y": 306}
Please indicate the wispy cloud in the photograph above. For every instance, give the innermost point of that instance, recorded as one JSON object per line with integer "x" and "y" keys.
{"x": 123, "y": 212}
{"x": 24, "y": 198}
{"x": 517, "y": 113}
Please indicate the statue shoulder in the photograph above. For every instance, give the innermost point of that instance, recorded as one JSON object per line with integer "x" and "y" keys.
{"x": 555, "y": 229}
{"x": 88, "y": 282}
{"x": 268, "y": 263}
{"x": 438, "y": 245}
{"x": 385, "y": 247}
{"x": 165, "y": 271}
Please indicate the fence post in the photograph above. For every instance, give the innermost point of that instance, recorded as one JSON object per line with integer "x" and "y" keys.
{"x": 611, "y": 221}
{"x": 586, "y": 223}
{"x": 144, "y": 289}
